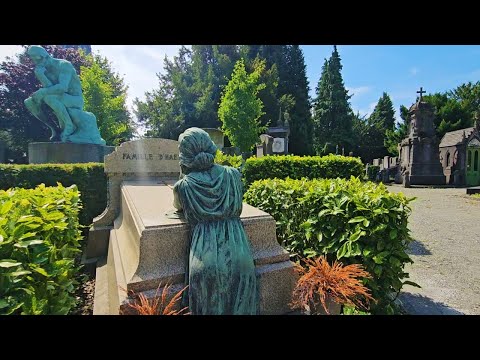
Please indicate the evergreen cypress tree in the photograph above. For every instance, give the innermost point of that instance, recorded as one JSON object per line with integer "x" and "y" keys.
{"x": 332, "y": 112}
{"x": 272, "y": 54}
{"x": 394, "y": 137}
{"x": 382, "y": 119}
{"x": 383, "y": 116}
{"x": 293, "y": 81}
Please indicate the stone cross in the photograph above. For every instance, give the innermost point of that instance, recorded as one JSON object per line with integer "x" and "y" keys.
{"x": 421, "y": 92}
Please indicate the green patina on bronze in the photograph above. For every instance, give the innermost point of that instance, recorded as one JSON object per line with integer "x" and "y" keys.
{"x": 221, "y": 271}
{"x": 61, "y": 92}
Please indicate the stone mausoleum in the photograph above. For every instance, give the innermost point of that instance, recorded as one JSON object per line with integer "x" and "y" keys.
{"x": 419, "y": 157}
{"x": 460, "y": 156}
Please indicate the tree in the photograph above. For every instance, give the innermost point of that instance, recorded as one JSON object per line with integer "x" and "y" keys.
{"x": 383, "y": 116}
{"x": 360, "y": 136}
{"x": 105, "y": 96}
{"x": 332, "y": 113}
{"x": 293, "y": 82}
{"x": 270, "y": 96}
{"x": 395, "y": 136}
{"x": 450, "y": 112}
{"x": 189, "y": 91}
{"x": 372, "y": 144}
{"x": 169, "y": 110}
{"x": 240, "y": 108}
{"x": 284, "y": 78}
{"x": 18, "y": 82}
{"x": 212, "y": 65}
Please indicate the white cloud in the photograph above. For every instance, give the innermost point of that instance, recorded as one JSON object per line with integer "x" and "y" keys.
{"x": 9, "y": 50}
{"x": 357, "y": 91}
{"x": 365, "y": 111}
{"x": 138, "y": 64}
{"x": 414, "y": 71}
{"x": 475, "y": 75}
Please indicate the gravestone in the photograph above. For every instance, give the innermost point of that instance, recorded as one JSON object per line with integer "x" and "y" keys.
{"x": 259, "y": 152}
{"x": 146, "y": 244}
{"x": 280, "y": 133}
{"x": 386, "y": 162}
{"x": 278, "y": 146}
{"x": 419, "y": 152}
{"x": 217, "y": 136}
{"x": 267, "y": 144}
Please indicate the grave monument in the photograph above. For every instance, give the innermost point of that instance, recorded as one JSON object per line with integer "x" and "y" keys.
{"x": 139, "y": 244}
{"x": 419, "y": 154}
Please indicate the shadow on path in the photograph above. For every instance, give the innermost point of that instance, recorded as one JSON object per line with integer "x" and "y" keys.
{"x": 417, "y": 248}
{"x": 416, "y": 304}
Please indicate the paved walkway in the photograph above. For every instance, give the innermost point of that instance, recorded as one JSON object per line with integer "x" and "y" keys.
{"x": 446, "y": 252}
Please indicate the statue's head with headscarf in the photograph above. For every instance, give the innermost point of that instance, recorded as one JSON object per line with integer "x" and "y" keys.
{"x": 197, "y": 150}
{"x": 38, "y": 54}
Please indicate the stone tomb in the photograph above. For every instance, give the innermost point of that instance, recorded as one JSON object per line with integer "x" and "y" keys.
{"x": 148, "y": 245}
{"x": 419, "y": 155}
{"x": 146, "y": 159}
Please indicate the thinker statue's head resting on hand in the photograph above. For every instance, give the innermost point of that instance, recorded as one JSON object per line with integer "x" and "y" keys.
{"x": 38, "y": 54}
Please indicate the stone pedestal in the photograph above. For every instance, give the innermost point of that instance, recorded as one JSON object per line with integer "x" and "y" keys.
{"x": 148, "y": 248}
{"x": 66, "y": 153}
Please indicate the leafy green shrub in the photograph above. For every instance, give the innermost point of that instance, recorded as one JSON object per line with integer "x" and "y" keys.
{"x": 39, "y": 238}
{"x": 297, "y": 167}
{"x": 372, "y": 172}
{"x": 343, "y": 219}
{"x": 89, "y": 178}
{"x": 235, "y": 161}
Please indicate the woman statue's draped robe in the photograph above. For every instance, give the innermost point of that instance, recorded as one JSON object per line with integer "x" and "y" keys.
{"x": 221, "y": 271}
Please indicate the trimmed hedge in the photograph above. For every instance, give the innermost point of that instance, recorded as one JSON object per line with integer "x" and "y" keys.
{"x": 39, "y": 238}
{"x": 297, "y": 167}
{"x": 89, "y": 178}
{"x": 348, "y": 220}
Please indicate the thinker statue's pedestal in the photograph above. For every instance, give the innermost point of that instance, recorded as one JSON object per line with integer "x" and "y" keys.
{"x": 66, "y": 153}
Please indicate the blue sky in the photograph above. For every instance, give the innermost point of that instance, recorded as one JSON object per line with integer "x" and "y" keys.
{"x": 368, "y": 70}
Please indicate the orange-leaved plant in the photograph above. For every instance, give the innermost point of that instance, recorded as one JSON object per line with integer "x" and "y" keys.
{"x": 158, "y": 305}
{"x": 319, "y": 280}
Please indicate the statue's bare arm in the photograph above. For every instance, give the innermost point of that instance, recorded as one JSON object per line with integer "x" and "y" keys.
{"x": 64, "y": 77}
{"x": 40, "y": 75}
{"x": 176, "y": 199}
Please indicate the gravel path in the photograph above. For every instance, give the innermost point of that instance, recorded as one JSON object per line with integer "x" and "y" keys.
{"x": 446, "y": 227}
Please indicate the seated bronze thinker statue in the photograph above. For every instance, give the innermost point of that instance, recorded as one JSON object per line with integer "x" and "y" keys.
{"x": 62, "y": 93}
